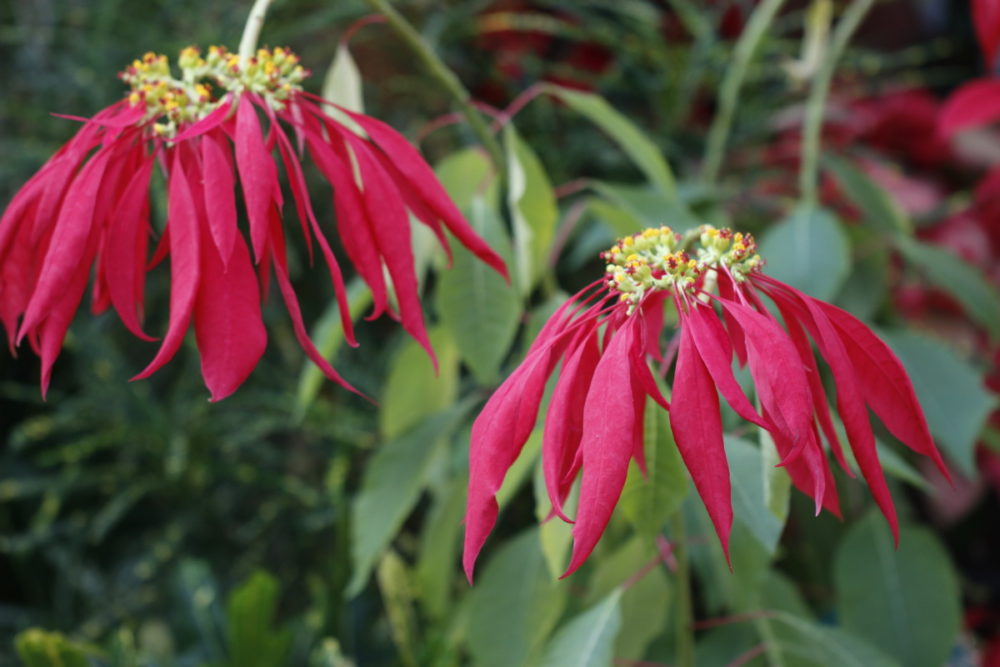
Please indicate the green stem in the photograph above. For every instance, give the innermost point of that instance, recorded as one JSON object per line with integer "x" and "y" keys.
{"x": 684, "y": 618}
{"x": 813, "y": 123}
{"x": 444, "y": 76}
{"x": 729, "y": 91}
{"x": 251, "y": 31}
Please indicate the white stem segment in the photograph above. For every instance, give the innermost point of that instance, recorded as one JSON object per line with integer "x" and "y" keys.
{"x": 251, "y": 32}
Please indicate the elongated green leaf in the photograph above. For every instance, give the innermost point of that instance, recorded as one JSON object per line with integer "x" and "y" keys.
{"x": 39, "y": 648}
{"x": 466, "y": 175}
{"x": 588, "y": 640}
{"x": 397, "y": 594}
{"x": 951, "y": 393}
{"x": 644, "y": 153}
{"x": 808, "y": 251}
{"x": 555, "y": 534}
{"x": 342, "y": 84}
{"x": 619, "y": 221}
{"x": 823, "y": 645}
{"x": 777, "y": 484}
{"x": 393, "y": 481}
{"x": 647, "y": 502}
{"x": 252, "y": 639}
{"x": 749, "y": 501}
{"x": 437, "y": 562}
{"x": 513, "y": 606}
{"x": 533, "y": 209}
{"x": 962, "y": 281}
{"x": 477, "y": 307}
{"x": 880, "y": 212}
{"x": 906, "y": 600}
{"x": 648, "y": 205}
{"x": 413, "y": 390}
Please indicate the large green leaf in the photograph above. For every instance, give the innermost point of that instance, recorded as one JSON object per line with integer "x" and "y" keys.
{"x": 905, "y": 600}
{"x": 555, "y": 534}
{"x": 808, "y": 251}
{"x": 252, "y": 640}
{"x": 466, "y": 175}
{"x": 649, "y": 206}
{"x": 643, "y": 152}
{"x": 477, "y": 307}
{"x": 533, "y": 208}
{"x": 750, "y": 504}
{"x": 413, "y": 390}
{"x": 647, "y": 502}
{"x": 392, "y": 483}
{"x": 964, "y": 282}
{"x": 822, "y": 645}
{"x": 438, "y": 545}
{"x": 950, "y": 390}
{"x": 587, "y": 640}
{"x": 880, "y": 212}
{"x": 514, "y": 606}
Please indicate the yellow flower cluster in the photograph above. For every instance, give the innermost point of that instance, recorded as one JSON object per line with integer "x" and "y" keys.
{"x": 650, "y": 260}
{"x": 735, "y": 252}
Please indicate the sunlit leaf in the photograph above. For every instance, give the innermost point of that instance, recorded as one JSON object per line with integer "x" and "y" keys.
{"x": 808, "y": 251}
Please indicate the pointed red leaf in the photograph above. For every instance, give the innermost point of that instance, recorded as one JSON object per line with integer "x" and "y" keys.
{"x": 973, "y": 104}
{"x": 258, "y": 174}
{"x": 220, "y": 195}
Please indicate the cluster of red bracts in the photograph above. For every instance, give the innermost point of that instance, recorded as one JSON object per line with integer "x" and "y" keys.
{"x": 593, "y": 424}
{"x": 88, "y": 207}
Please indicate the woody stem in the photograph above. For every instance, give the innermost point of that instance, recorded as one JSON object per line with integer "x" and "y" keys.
{"x": 684, "y": 613}
{"x": 444, "y": 76}
{"x": 251, "y": 31}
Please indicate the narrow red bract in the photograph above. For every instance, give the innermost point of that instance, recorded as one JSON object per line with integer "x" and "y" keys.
{"x": 605, "y": 336}
{"x": 87, "y": 212}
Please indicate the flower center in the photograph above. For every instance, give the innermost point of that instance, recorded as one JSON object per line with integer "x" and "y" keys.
{"x": 657, "y": 259}
{"x": 273, "y": 74}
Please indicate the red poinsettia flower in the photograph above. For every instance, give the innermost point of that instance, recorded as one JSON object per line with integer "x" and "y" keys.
{"x": 977, "y": 102}
{"x": 604, "y": 337}
{"x": 88, "y": 207}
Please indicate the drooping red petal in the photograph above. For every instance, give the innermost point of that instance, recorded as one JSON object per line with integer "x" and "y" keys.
{"x": 652, "y": 311}
{"x": 213, "y": 120}
{"x": 258, "y": 174}
{"x": 986, "y": 20}
{"x": 971, "y": 105}
{"x": 727, "y": 292}
{"x": 220, "y": 195}
{"x": 185, "y": 260}
{"x": 697, "y": 427}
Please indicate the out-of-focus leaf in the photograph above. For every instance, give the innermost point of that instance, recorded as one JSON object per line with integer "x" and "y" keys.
{"x": 649, "y": 205}
{"x": 749, "y": 502}
{"x": 777, "y": 484}
{"x": 413, "y": 390}
{"x": 965, "y": 283}
{"x": 514, "y": 606}
{"x": 522, "y": 467}
{"x": 40, "y": 648}
{"x": 641, "y": 149}
{"x": 392, "y": 483}
{"x": 555, "y": 534}
{"x": 822, "y": 645}
{"x": 342, "y": 84}
{"x": 533, "y": 208}
{"x": 253, "y": 640}
{"x": 468, "y": 175}
{"x": 619, "y": 220}
{"x": 866, "y": 287}
{"x": 328, "y": 337}
{"x": 397, "y": 595}
{"x": 588, "y": 639}
{"x": 880, "y": 212}
{"x": 906, "y": 600}
{"x": 436, "y": 564}
{"x": 808, "y": 251}
{"x": 951, "y": 393}
{"x": 477, "y": 307}
{"x": 647, "y": 502}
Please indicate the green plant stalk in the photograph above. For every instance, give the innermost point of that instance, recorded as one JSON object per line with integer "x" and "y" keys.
{"x": 439, "y": 71}
{"x": 251, "y": 31}
{"x": 819, "y": 92}
{"x": 684, "y": 616}
{"x": 729, "y": 91}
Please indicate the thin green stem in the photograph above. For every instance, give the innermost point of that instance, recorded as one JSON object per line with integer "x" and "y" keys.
{"x": 816, "y": 104}
{"x": 251, "y": 32}
{"x": 684, "y": 616}
{"x": 445, "y": 77}
{"x": 729, "y": 91}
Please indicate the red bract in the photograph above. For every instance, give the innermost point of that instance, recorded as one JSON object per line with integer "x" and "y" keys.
{"x": 603, "y": 338}
{"x": 88, "y": 206}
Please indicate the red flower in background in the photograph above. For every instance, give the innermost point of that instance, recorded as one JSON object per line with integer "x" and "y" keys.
{"x": 88, "y": 206}
{"x": 606, "y": 333}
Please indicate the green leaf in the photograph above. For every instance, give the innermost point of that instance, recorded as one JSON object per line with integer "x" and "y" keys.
{"x": 643, "y": 152}
{"x": 252, "y": 639}
{"x": 40, "y": 648}
{"x": 619, "y": 221}
{"x": 397, "y": 595}
{"x": 513, "y": 606}
{"x": 466, "y": 175}
{"x": 880, "y": 211}
{"x": 555, "y": 534}
{"x": 438, "y": 546}
{"x": 328, "y": 337}
{"x": 823, "y": 645}
{"x": 647, "y": 502}
{"x": 951, "y": 393}
{"x": 477, "y": 307}
{"x": 649, "y": 206}
{"x": 587, "y": 640}
{"x": 342, "y": 84}
{"x": 412, "y": 389}
{"x": 964, "y": 282}
{"x": 391, "y": 486}
{"x": 533, "y": 208}
{"x": 867, "y": 286}
{"x": 518, "y": 473}
{"x": 905, "y": 600}
{"x": 750, "y": 505}
{"x": 777, "y": 483}
{"x": 808, "y": 251}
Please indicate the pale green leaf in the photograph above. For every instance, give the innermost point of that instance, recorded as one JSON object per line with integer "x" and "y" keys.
{"x": 777, "y": 483}
{"x": 555, "y": 534}
{"x": 397, "y": 594}
{"x": 466, "y": 175}
{"x": 821, "y": 645}
{"x": 587, "y": 640}
{"x": 413, "y": 390}
{"x": 749, "y": 501}
{"x": 808, "y": 251}
{"x": 342, "y": 84}
{"x": 533, "y": 208}
{"x": 436, "y": 562}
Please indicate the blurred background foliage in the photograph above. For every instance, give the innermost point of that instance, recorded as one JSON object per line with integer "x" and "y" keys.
{"x": 294, "y": 523}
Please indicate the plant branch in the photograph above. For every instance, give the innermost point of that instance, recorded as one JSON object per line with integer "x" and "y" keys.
{"x": 684, "y": 620}
{"x": 251, "y": 31}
